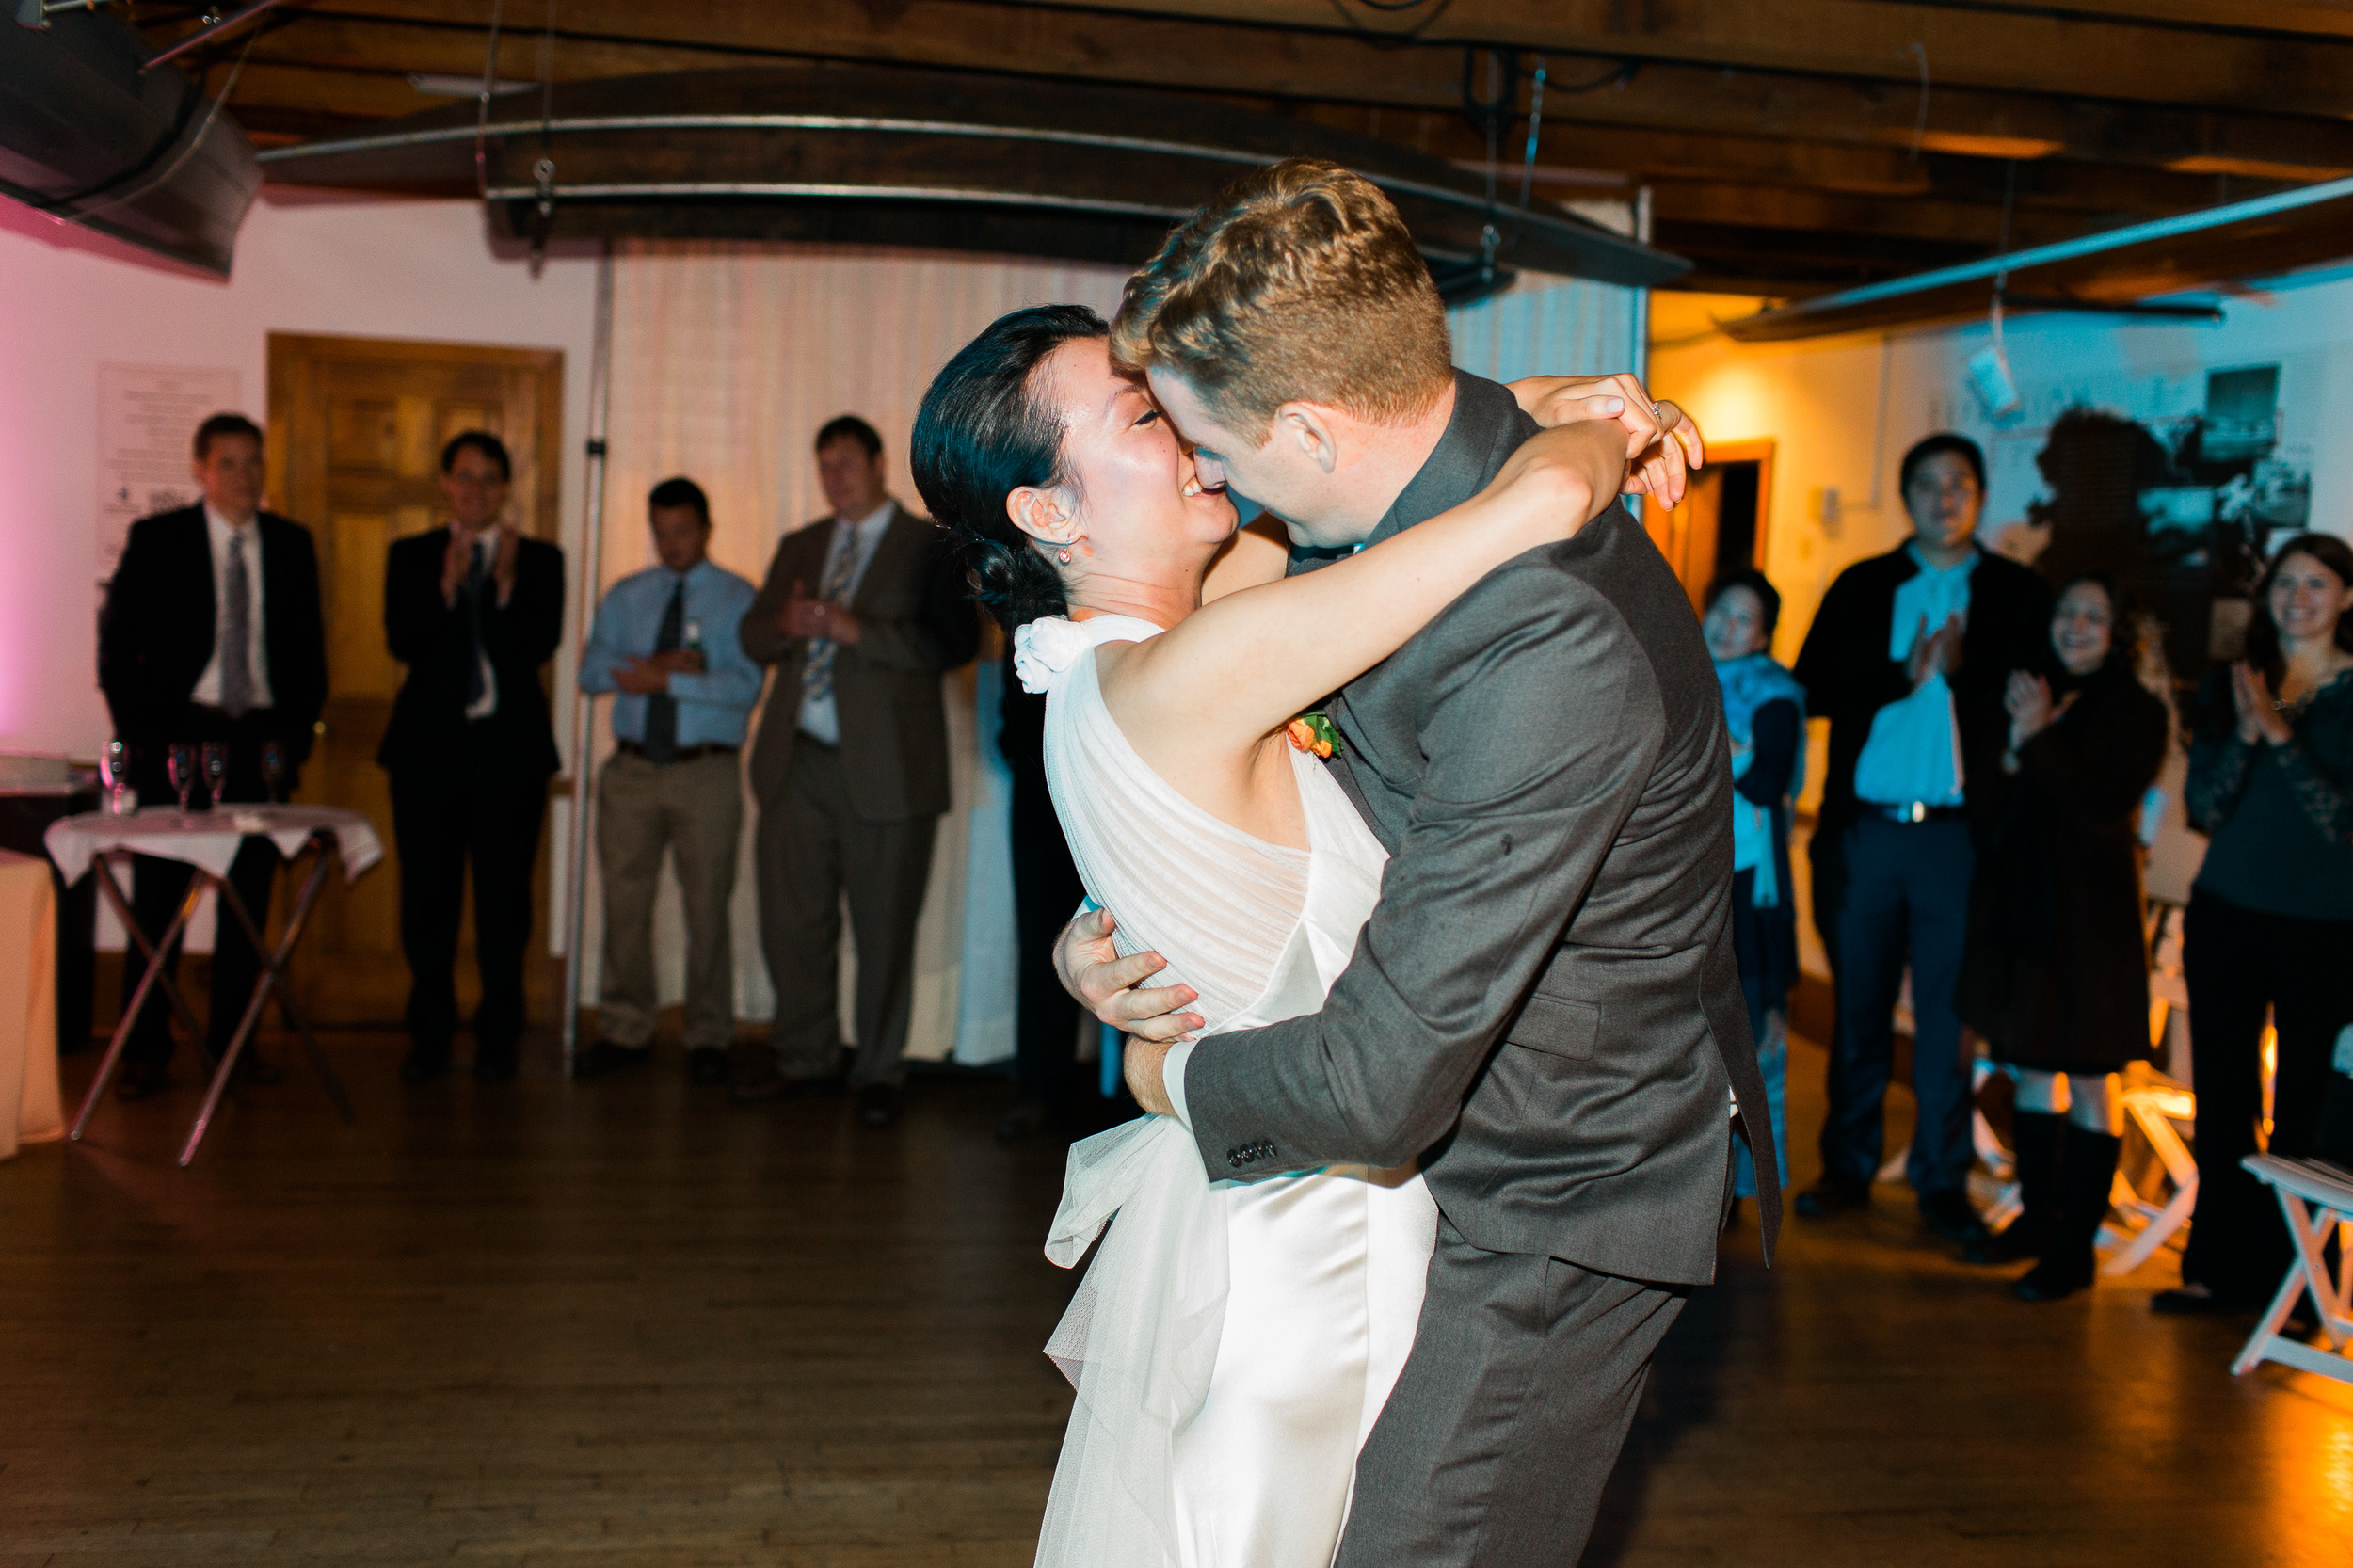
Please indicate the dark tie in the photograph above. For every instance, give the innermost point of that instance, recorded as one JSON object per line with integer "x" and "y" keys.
{"x": 477, "y": 579}
{"x": 236, "y": 632}
{"x": 662, "y": 707}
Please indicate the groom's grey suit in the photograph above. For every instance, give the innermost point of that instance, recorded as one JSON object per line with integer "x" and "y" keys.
{"x": 1544, "y": 1008}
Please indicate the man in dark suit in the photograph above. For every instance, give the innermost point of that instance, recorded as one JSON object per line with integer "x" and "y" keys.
{"x": 211, "y": 631}
{"x": 474, "y": 610}
{"x": 1908, "y": 649}
{"x": 861, "y": 614}
{"x": 1545, "y": 1008}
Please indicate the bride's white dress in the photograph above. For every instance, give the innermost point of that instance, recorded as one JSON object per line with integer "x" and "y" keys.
{"x": 1231, "y": 1344}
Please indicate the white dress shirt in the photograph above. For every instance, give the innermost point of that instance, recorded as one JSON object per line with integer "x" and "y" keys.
{"x": 227, "y": 536}
{"x": 821, "y": 715}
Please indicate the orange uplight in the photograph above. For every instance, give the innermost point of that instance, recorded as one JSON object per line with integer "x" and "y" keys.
{"x": 2270, "y": 1069}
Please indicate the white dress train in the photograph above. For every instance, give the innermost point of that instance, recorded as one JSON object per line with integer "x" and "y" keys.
{"x": 1232, "y": 1343}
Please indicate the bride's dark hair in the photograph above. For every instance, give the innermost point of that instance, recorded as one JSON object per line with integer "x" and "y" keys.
{"x": 983, "y": 434}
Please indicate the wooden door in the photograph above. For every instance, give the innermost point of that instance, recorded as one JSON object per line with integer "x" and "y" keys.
{"x": 355, "y": 427}
{"x": 1721, "y": 526}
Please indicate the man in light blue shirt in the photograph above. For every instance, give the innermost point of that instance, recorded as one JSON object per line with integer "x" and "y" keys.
{"x": 664, "y": 641}
{"x": 1907, "y": 658}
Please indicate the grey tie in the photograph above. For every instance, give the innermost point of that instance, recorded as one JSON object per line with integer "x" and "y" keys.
{"x": 817, "y": 675}
{"x": 236, "y": 632}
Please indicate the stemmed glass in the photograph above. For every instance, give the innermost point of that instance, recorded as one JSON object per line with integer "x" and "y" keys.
{"x": 114, "y": 766}
{"x": 274, "y": 770}
{"x": 180, "y": 762}
{"x": 216, "y": 765}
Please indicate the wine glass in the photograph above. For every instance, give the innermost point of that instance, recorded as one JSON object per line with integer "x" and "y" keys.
{"x": 114, "y": 766}
{"x": 180, "y": 762}
{"x": 274, "y": 769}
{"x": 213, "y": 759}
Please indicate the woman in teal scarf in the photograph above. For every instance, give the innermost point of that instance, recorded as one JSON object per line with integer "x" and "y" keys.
{"x": 1765, "y": 712}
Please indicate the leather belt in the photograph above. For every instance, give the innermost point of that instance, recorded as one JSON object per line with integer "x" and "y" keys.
{"x": 680, "y": 753}
{"x": 1915, "y": 811}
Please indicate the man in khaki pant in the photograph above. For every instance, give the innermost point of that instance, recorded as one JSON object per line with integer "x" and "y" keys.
{"x": 665, "y": 639}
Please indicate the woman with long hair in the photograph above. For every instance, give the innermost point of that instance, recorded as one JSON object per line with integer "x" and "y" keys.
{"x": 2270, "y": 919}
{"x": 2056, "y": 977}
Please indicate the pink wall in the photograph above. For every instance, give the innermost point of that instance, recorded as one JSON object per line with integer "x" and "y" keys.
{"x": 70, "y": 301}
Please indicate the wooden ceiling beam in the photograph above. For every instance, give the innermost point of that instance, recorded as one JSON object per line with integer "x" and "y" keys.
{"x": 1418, "y": 90}
{"x": 2221, "y": 16}
{"x": 2019, "y": 51}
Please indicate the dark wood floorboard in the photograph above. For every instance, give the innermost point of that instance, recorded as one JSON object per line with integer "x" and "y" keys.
{"x": 623, "y": 1323}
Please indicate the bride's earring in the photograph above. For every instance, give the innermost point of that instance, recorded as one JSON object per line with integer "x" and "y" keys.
{"x": 1064, "y": 554}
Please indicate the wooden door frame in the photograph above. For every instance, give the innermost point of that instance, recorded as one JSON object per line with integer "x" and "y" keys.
{"x": 1759, "y": 452}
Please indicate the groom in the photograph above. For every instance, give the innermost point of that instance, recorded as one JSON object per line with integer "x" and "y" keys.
{"x": 1545, "y": 1008}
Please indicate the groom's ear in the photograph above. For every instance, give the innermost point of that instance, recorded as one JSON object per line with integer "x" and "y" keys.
{"x": 1043, "y": 512}
{"x": 1311, "y": 429}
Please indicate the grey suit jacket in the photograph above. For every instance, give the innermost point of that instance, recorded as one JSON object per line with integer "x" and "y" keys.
{"x": 914, "y": 622}
{"x": 1545, "y": 1007}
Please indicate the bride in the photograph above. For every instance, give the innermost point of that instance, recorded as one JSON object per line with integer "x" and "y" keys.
{"x": 1231, "y": 1344}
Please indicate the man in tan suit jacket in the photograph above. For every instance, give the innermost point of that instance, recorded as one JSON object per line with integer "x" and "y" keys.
{"x": 861, "y": 613}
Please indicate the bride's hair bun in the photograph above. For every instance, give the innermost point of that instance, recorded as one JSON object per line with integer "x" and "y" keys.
{"x": 982, "y": 434}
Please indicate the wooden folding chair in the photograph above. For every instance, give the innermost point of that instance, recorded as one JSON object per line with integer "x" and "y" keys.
{"x": 2314, "y": 1196}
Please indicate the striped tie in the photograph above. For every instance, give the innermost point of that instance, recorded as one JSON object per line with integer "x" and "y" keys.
{"x": 817, "y": 675}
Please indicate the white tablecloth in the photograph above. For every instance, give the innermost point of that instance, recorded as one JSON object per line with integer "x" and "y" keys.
{"x": 210, "y": 839}
{"x": 30, "y": 1111}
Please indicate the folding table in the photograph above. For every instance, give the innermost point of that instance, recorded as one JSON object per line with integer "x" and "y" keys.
{"x": 208, "y": 841}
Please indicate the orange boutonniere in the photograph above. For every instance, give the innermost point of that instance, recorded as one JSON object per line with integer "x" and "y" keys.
{"x": 1313, "y": 733}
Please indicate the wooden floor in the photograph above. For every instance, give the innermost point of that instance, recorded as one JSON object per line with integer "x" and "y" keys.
{"x": 626, "y": 1323}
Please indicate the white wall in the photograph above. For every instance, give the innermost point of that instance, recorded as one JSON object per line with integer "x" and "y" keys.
{"x": 1841, "y": 411}
{"x": 70, "y": 301}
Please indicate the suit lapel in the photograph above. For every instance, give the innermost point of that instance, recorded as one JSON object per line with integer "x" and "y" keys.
{"x": 881, "y": 567}
{"x": 197, "y": 568}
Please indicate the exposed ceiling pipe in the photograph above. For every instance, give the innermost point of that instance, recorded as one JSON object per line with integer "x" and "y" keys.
{"x": 205, "y": 35}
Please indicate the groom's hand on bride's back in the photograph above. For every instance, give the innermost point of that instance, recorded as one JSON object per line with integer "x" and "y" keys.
{"x": 1663, "y": 443}
{"x": 1111, "y": 988}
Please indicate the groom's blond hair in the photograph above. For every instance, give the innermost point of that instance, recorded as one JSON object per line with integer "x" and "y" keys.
{"x": 1298, "y": 282}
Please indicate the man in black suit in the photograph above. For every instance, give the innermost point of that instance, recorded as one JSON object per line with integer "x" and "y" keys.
{"x": 474, "y": 610}
{"x": 1909, "y": 650}
{"x": 211, "y": 631}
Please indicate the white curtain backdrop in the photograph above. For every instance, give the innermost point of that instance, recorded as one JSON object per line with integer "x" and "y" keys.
{"x": 726, "y": 358}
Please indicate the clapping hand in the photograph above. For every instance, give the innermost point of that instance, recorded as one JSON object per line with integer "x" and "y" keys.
{"x": 1935, "y": 653}
{"x": 2259, "y": 716}
{"x": 2028, "y": 701}
{"x": 804, "y": 617}
{"x": 457, "y": 561}
{"x": 1664, "y": 444}
{"x": 650, "y": 676}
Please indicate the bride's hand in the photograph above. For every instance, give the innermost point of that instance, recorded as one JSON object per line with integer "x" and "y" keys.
{"x": 1663, "y": 443}
{"x": 1560, "y": 479}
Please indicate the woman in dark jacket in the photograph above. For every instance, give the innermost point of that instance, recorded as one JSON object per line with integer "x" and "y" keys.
{"x": 2270, "y": 922}
{"x": 2057, "y": 974}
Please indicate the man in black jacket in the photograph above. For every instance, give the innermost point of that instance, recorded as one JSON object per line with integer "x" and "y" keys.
{"x": 211, "y": 631}
{"x": 1909, "y": 650}
{"x": 474, "y": 610}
